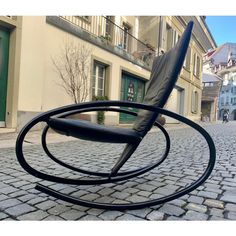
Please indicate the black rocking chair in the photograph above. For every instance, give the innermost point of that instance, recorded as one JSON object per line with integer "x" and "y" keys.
{"x": 165, "y": 71}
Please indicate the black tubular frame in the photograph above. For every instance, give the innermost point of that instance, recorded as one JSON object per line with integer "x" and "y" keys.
{"x": 109, "y": 106}
{"x": 102, "y": 174}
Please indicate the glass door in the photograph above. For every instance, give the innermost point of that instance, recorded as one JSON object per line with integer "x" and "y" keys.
{"x": 132, "y": 90}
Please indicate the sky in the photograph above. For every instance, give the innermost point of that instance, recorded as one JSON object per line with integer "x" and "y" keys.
{"x": 223, "y": 28}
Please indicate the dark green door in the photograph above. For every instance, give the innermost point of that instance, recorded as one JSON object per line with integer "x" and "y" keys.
{"x": 132, "y": 89}
{"x": 4, "y": 49}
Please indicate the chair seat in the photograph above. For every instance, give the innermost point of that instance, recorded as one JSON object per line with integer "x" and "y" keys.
{"x": 93, "y": 132}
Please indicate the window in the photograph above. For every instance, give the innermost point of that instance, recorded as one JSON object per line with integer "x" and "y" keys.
{"x": 208, "y": 84}
{"x": 109, "y": 27}
{"x": 99, "y": 79}
{"x": 172, "y": 37}
{"x": 234, "y": 101}
{"x": 126, "y": 36}
{"x": 196, "y": 65}
{"x": 194, "y": 102}
{"x": 227, "y": 101}
{"x": 222, "y": 101}
{"x": 175, "y": 38}
{"x": 187, "y": 59}
{"x": 169, "y": 32}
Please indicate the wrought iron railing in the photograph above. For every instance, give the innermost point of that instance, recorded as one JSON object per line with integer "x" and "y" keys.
{"x": 120, "y": 37}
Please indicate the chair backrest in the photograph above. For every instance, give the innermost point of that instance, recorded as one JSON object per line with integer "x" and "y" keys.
{"x": 164, "y": 74}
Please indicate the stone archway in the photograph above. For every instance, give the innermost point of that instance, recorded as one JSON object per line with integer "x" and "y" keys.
{"x": 233, "y": 114}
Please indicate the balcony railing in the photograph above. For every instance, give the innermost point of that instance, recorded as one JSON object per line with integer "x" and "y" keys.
{"x": 121, "y": 38}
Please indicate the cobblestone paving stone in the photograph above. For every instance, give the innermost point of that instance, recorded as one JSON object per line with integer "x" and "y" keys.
{"x": 214, "y": 200}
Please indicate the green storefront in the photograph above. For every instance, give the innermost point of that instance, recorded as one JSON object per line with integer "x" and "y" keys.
{"x": 132, "y": 89}
{"x": 4, "y": 49}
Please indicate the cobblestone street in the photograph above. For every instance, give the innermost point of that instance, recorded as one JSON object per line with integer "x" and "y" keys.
{"x": 215, "y": 200}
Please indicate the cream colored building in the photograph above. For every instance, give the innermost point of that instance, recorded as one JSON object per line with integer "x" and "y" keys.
{"x": 122, "y": 49}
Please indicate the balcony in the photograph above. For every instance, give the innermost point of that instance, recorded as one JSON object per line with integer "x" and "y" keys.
{"x": 103, "y": 32}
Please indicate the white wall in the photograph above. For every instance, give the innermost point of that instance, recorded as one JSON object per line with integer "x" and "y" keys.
{"x": 38, "y": 80}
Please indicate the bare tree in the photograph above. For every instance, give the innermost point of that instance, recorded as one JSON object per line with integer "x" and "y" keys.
{"x": 73, "y": 68}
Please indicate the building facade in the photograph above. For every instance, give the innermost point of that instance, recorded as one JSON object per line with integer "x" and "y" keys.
{"x": 222, "y": 62}
{"x": 210, "y": 94}
{"x": 227, "y": 99}
{"x": 122, "y": 49}
{"x": 10, "y": 46}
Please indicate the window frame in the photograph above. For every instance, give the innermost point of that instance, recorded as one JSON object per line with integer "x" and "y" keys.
{"x": 96, "y": 77}
{"x": 222, "y": 101}
{"x": 109, "y": 27}
{"x": 126, "y": 37}
{"x": 196, "y": 65}
{"x": 187, "y": 60}
{"x": 227, "y": 101}
{"x": 195, "y": 102}
{"x": 169, "y": 37}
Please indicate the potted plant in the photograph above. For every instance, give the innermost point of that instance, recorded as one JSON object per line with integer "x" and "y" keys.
{"x": 100, "y": 114}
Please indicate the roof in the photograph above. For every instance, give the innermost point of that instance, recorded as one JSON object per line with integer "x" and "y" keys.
{"x": 210, "y": 77}
{"x": 208, "y": 54}
{"x": 221, "y": 54}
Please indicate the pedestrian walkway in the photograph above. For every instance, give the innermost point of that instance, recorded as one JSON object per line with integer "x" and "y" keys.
{"x": 215, "y": 200}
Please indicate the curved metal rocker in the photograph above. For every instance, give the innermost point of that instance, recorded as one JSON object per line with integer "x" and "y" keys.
{"x": 163, "y": 77}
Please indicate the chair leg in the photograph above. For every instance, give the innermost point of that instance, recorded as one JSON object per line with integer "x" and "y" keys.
{"x": 126, "y": 154}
